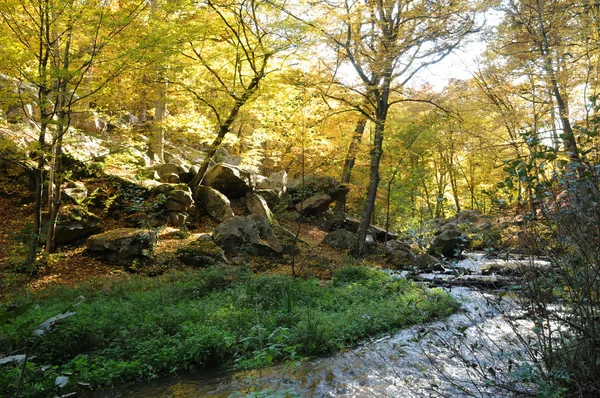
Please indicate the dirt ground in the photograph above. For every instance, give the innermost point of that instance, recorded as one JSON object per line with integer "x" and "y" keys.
{"x": 73, "y": 264}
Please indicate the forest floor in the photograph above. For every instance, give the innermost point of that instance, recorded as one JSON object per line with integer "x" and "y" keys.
{"x": 73, "y": 264}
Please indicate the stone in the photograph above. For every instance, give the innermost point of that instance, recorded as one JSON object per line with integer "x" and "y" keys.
{"x": 427, "y": 263}
{"x": 258, "y": 205}
{"x": 75, "y": 223}
{"x": 173, "y": 178}
{"x": 167, "y": 169}
{"x": 401, "y": 257}
{"x": 380, "y": 235}
{"x": 183, "y": 196}
{"x": 122, "y": 244}
{"x": 276, "y": 182}
{"x": 314, "y": 205}
{"x": 299, "y": 189}
{"x": 340, "y": 239}
{"x": 75, "y": 192}
{"x": 252, "y": 235}
{"x": 177, "y": 219}
{"x": 214, "y": 202}
{"x": 232, "y": 181}
{"x": 449, "y": 243}
{"x": 467, "y": 216}
{"x": 165, "y": 188}
{"x": 179, "y": 200}
{"x": 269, "y": 195}
{"x": 202, "y": 252}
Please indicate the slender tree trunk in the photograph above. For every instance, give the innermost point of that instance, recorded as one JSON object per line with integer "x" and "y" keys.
{"x": 387, "y": 210}
{"x": 160, "y": 113}
{"x": 568, "y": 136}
{"x": 376, "y": 153}
{"x": 350, "y": 160}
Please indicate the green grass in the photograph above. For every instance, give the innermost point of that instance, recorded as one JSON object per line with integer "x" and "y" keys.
{"x": 137, "y": 328}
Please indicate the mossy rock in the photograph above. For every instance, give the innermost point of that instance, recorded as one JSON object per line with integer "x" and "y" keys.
{"x": 202, "y": 252}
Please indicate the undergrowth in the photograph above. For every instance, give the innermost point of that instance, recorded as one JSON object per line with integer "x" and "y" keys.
{"x": 137, "y": 328}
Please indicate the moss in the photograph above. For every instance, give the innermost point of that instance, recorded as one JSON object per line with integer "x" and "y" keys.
{"x": 201, "y": 253}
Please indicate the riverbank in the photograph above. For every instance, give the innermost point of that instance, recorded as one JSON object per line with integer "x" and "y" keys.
{"x": 136, "y": 328}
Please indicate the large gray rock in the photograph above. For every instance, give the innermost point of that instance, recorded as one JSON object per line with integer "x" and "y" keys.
{"x": 314, "y": 205}
{"x": 252, "y": 235}
{"x": 276, "y": 182}
{"x": 232, "y": 181}
{"x": 401, "y": 257}
{"x": 166, "y": 170}
{"x": 449, "y": 243}
{"x": 340, "y": 239}
{"x": 75, "y": 223}
{"x": 214, "y": 202}
{"x": 179, "y": 200}
{"x": 258, "y": 205}
{"x": 123, "y": 244}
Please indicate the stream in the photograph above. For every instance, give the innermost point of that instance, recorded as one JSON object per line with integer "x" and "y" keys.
{"x": 474, "y": 352}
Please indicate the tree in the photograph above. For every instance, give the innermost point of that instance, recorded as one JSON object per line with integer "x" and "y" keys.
{"x": 387, "y": 42}
{"x": 54, "y": 46}
{"x": 234, "y": 54}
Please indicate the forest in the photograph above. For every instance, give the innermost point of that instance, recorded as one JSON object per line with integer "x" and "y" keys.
{"x": 243, "y": 186}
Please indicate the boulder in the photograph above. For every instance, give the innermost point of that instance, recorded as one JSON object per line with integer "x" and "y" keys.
{"x": 232, "y": 181}
{"x": 427, "y": 263}
{"x": 75, "y": 223}
{"x": 380, "y": 235}
{"x": 173, "y": 178}
{"x": 401, "y": 257}
{"x": 165, "y": 170}
{"x": 202, "y": 252}
{"x": 299, "y": 189}
{"x": 177, "y": 219}
{"x": 467, "y": 216}
{"x": 449, "y": 243}
{"x": 123, "y": 244}
{"x": 75, "y": 192}
{"x": 314, "y": 205}
{"x": 214, "y": 202}
{"x": 252, "y": 235}
{"x": 340, "y": 239}
{"x": 287, "y": 238}
{"x": 165, "y": 188}
{"x": 258, "y": 205}
{"x": 179, "y": 200}
{"x": 276, "y": 182}
{"x": 223, "y": 156}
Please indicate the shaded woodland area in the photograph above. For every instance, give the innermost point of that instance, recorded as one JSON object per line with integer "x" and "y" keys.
{"x": 256, "y": 150}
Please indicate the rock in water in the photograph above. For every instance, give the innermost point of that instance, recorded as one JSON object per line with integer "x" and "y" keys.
{"x": 123, "y": 244}
{"x": 401, "y": 256}
{"x": 449, "y": 243}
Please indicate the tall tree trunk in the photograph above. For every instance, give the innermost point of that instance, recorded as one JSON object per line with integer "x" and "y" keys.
{"x": 544, "y": 47}
{"x": 350, "y": 160}
{"x": 376, "y": 153}
{"x": 160, "y": 112}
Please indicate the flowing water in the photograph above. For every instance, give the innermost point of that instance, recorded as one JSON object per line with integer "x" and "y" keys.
{"x": 474, "y": 352}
